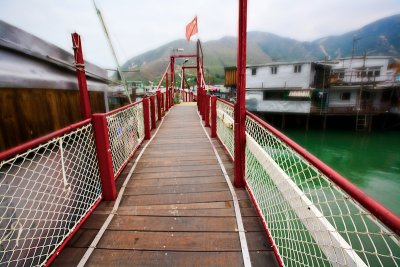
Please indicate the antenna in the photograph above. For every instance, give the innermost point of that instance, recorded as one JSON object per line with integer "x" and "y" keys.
{"x": 113, "y": 51}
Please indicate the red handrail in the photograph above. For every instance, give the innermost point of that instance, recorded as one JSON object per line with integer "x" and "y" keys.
{"x": 378, "y": 210}
{"x": 35, "y": 142}
{"x": 122, "y": 108}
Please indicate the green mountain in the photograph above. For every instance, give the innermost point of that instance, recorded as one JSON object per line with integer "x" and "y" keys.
{"x": 381, "y": 37}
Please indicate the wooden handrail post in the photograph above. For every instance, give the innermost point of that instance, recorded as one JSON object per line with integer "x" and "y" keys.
{"x": 104, "y": 157}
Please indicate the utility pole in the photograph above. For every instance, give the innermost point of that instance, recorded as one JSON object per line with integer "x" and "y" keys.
{"x": 113, "y": 51}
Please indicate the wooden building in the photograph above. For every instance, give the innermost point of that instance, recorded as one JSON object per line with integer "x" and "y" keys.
{"x": 39, "y": 89}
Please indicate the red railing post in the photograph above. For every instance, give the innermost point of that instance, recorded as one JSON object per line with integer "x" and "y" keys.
{"x": 159, "y": 106}
{"x": 146, "y": 118}
{"x": 203, "y": 103}
{"x": 207, "y": 110}
{"x": 240, "y": 106}
{"x": 198, "y": 100}
{"x": 162, "y": 103}
{"x": 153, "y": 111}
{"x": 213, "y": 116}
{"x": 103, "y": 150}
{"x": 172, "y": 96}
{"x": 166, "y": 93}
{"x": 81, "y": 75}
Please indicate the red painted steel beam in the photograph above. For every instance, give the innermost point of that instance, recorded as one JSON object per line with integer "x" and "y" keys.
{"x": 240, "y": 106}
{"x": 163, "y": 77}
{"x": 167, "y": 93}
{"x": 104, "y": 157}
{"x": 146, "y": 118}
{"x": 172, "y": 71}
{"x": 207, "y": 110}
{"x": 391, "y": 220}
{"x": 159, "y": 102}
{"x": 153, "y": 111}
{"x": 81, "y": 75}
{"x": 213, "y": 116}
{"x": 189, "y": 67}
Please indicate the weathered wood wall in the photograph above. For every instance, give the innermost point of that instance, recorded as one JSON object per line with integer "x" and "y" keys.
{"x": 26, "y": 114}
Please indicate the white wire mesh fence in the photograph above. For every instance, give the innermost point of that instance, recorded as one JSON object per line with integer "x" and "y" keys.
{"x": 225, "y": 126}
{"x": 126, "y": 132}
{"x": 311, "y": 220}
{"x": 44, "y": 194}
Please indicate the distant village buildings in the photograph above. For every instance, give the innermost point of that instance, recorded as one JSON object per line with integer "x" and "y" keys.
{"x": 361, "y": 87}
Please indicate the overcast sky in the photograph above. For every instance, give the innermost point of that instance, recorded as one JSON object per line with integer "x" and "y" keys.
{"x": 137, "y": 26}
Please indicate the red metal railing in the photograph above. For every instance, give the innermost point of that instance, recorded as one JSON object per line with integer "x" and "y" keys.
{"x": 48, "y": 187}
{"x": 295, "y": 192}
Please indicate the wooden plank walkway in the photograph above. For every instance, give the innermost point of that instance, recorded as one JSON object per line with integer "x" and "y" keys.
{"x": 177, "y": 209}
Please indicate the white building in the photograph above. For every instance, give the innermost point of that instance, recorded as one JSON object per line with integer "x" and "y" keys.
{"x": 283, "y": 87}
{"x": 363, "y": 84}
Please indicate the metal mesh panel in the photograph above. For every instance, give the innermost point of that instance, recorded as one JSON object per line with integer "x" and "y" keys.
{"x": 126, "y": 132}
{"x": 311, "y": 220}
{"x": 225, "y": 126}
{"x": 44, "y": 193}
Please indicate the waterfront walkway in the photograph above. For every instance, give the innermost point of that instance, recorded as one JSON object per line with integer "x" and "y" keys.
{"x": 176, "y": 209}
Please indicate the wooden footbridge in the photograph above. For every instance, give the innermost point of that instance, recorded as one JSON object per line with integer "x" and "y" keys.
{"x": 176, "y": 207}
{"x": 199, "y": 183}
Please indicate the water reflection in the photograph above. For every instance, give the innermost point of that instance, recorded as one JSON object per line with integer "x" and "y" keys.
{"x": 371, "y": 161}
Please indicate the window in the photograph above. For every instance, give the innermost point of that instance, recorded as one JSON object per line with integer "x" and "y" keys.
{"x": 274, "y": 70}
{"x": 345, "y": 96}
{"x": 341, "y": 75}
{"x": 254, "y": 71}
{"x": 377, "y": 73}
{"x": 297, "y": 68}
{"x": 274, "y": 95}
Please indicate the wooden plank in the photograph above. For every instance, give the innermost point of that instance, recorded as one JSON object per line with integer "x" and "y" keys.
{"x": 170, "y": 212}
{"x": 177, "y": 174}
{"x": 199, "y": 205}
{"x": 168, "y": 162}
{"x": 175, "y": 189}
{"x": 176, "y": 198}
{"x": 106, "y": 257}
{"x": 177, "y": 168}
{"x": 263, "y": 258}
{"x": 164, "y": 224}
{"x": 69, "y": 257}
{"x": 176, "y": 209}
{"x": 176, "y": 241}
{"x": 257, "y": 241}
{"x": 252, "y": 224}
{"x": 176, "y": 181}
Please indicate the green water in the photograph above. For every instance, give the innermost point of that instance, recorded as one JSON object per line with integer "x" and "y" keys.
{"x": 371, "y": 161}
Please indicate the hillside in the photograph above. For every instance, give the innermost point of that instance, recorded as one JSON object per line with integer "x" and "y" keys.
{"x": 381, "y": 37}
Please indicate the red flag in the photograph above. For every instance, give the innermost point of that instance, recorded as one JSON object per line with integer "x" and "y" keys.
{"x": 191, "y": 28}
